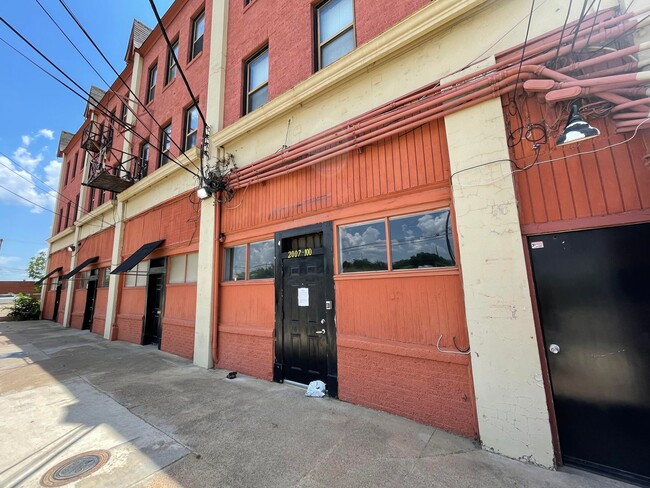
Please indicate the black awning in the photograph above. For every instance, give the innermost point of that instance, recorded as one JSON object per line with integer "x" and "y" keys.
{"x": 130, "y": 262}
{"x": 55, "y": 270}
{"x": 80, "y": 267}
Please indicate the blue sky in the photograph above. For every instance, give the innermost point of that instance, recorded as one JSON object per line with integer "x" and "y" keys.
{"x": 34, "y": 109}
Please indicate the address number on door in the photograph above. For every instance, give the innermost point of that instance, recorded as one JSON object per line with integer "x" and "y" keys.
{"x": 300, "y": 252}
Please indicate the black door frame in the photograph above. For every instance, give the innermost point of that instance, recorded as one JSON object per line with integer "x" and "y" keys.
{"x": 527, "y": 238}
{"x": 330, "y": 314}
{"x": 91, "y": 296}
{"x": 153, "y": 271}
{"x": 57, "y": 299}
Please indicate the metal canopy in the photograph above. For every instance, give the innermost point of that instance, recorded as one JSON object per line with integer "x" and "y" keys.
{"x": 80, "y": 267}
{"x": 130, "y": 262}
{"x": 55, "y": 270}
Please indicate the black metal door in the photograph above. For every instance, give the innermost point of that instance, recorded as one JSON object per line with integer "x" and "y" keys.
{"x": 593, "y": 291}
{"x": 303, "y": 304}
{"x": 91, "y": 295}
{"x": 153, "y": 315}
{"x": 57, "y": 300}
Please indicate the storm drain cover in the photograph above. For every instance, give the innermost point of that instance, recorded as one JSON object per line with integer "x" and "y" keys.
{"x": 75, "y": 468}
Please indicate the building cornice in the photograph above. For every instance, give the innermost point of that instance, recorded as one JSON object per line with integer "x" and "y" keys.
{"x": 96, "y": 213}
{"x": 60, "y": 235}
{"x": 190, "y": 157}
{"x": 421, "y": 25}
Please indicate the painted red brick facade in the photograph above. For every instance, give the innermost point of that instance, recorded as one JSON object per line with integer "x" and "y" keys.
{"x": 172, "y": 99}
{"x": 286, "y": 27}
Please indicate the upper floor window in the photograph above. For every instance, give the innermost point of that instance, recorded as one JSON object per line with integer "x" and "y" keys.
{"x": 198, "y": 27}
{"x": 145, "y": 151}
{"x": 67, "y": 172}
{"x": 151, "y": 83}
{"x": 257, "y": 81}
{"x": 125, "y": 112}
{"x": 416, "y": 241}
{"x": 113, "y": 117}
{"x": 172, "y": 68}
{"x": 191, "y": 127}
{"x": 335, "y": 30}
{"x": 165, "y": 145}
{"x": 74, "y": 168}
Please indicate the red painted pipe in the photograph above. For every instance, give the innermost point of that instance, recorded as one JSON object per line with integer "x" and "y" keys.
{"x": 322, "y": 138}
{"x": 633, "y": 103}
{"x": 336, "y": 137}
{"x": 605, "y": 58}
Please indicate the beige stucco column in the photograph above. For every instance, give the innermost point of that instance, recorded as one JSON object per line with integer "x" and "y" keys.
{"x": 214, "y": 116}
{"x": 114, "y": 280}
{"x": 511, "y": 405}
{"x": 67, "y": 311}
{"x": 204, "y": 287}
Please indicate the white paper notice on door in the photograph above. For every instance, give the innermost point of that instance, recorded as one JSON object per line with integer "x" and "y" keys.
{"x": 303, "y": 297}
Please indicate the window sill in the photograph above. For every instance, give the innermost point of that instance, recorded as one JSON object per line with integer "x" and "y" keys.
{"x": 193, "y": 60}
{"x": 402, "y": 273}
{"x": 247, "y": 7}
{"x": 167, "y": 85}
{"x": 248, "y": 282}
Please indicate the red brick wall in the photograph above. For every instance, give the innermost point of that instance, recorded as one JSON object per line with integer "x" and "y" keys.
{"x": 68, "y": 192}
{"x": 287, "y": 27}
{"x": 429, "y": 391}
{"x": 170, "y": 101}
{"x": 178, "y": 320}
{"x": 246, "y": 324}
{"x": 16, "y": 287}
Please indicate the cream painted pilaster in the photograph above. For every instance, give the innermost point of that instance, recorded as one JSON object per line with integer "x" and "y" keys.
{"x": 511, "y": 404}
{"x": 136, "y": 76}
{"x": 114, "y": 280}
{"x": 205, "y": 287}
{"x": 67, "y": 311}
{"x": 214, "y": 116}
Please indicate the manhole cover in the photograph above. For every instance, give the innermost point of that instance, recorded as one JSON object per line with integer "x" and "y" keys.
{"x": 75, "y": 468}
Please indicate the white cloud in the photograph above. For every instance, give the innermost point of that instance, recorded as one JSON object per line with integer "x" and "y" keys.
{"x": 22, "y": 183}
{"x": 47, "y": 133}
{"x": 26, "y": 140}
{"x": 25, "y": 158}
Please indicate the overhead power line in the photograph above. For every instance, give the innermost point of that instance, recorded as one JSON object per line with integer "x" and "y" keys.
{"x": 178, "y": 65}
{"x": 102, "y": 109}
{"x": 100, "y": 76}
{"x": 144, "y": 106}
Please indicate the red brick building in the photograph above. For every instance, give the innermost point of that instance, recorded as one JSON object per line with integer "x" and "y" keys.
{"x": 382, "y": 200}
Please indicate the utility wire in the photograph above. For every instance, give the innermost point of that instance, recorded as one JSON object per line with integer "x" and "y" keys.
{"x": 92, "y": 41}
{"x": 102, "y": 108}
{"x": 178, "y": 65}
{"x": 98, "y": 74}
{"x": 28, "y": 200}
{"x": 187, "y": 84}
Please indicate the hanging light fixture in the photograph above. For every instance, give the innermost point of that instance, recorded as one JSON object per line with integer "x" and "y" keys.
{"x": 576, "y": 129}
{"x": 71, "y": 247}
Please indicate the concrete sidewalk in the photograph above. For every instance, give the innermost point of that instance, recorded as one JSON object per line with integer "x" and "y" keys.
{"x": 166, "y": 423}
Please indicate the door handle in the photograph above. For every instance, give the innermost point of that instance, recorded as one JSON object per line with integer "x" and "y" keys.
{"x": 554, "y": 348}
{"x": 322, "y": 331}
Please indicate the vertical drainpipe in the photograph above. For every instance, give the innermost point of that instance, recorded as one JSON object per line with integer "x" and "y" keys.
{"x": 110, "y": 329}
{"x": 207, "y": 286}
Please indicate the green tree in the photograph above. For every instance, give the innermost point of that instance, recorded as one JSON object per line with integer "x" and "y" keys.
{"x": 36, "y": 267}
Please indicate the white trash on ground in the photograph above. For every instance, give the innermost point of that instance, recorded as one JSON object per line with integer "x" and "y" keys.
{"x": 316, "y": 389}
